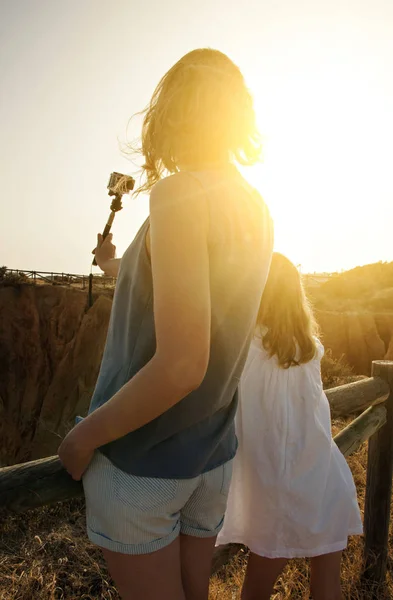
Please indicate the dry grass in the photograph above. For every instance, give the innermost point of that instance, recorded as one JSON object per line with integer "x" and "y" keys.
{"x": 336, "y": 371}
{"x": 294, "y": 582}
{"x": 45, "y": 555}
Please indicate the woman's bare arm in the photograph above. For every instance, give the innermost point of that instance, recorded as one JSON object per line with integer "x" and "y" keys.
{"x": 105, "y": 254}
{"x": 111, "y": 268}
{"x": 182, "y": 314}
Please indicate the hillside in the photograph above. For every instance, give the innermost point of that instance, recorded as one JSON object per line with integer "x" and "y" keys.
{"x": 366, "y": 288}
{"x": 51, "y": 346}
{"x": 355, "y": 312}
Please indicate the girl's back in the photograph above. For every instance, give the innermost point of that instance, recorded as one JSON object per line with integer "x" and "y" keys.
{"x": 279, "y": 409}
{"x": 292, "y": 492}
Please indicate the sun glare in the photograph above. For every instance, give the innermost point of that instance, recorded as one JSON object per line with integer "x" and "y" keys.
{"x": 325, "y": 157}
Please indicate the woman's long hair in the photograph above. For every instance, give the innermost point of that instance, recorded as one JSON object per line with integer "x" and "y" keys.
{"x": 285, "y": 316}
{"x": 201, "y": 112}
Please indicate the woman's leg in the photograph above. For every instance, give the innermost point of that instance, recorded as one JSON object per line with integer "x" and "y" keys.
{"x": 154, "y": 576}
{"x": 261, "y": 575}
{"x": 196, "y": 563}
{"x": 200, "y": 521}
{"x": 325, "y": 577}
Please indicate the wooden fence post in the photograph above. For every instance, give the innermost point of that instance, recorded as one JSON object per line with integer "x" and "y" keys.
{"x": 379, "y": 486}
{"x": 90, "y": 302}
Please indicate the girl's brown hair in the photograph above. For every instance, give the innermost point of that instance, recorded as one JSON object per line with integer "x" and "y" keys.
{"x": 285, "y": 316}
{"x": 201, "y": 112}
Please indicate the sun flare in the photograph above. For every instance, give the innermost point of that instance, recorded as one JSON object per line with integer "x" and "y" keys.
{"x": 325, "y": 151}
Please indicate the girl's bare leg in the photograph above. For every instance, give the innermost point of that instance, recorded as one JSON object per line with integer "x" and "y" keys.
{"x": 325, "y": 577}
{"x": 261, "y": 575}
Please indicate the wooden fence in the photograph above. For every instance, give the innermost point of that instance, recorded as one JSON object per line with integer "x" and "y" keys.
{"x": 40, "y": 482}
{"x": 70, "y": 279}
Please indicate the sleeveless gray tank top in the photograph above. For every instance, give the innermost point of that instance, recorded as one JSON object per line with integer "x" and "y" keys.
{"x": 197, "y": 434}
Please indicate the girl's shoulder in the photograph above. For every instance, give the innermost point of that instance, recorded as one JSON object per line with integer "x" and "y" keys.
{"x": 320, "y": 348}
{"x": 258, "y": 347}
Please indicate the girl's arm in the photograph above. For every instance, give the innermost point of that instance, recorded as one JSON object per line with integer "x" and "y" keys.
{"x": 182, "y": 314}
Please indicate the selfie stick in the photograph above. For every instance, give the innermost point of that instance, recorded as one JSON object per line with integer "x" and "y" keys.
{"x": 115, "y": 207}
{"x": 127, "y": 185}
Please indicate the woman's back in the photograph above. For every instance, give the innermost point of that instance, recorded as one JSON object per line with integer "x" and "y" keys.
{"x": 240, "y": 243}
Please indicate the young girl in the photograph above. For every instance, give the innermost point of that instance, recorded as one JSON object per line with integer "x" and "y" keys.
{"x": 292, "y": 492}
{"x": 159, "y": 438}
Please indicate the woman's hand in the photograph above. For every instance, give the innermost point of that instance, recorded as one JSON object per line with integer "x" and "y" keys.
{"x": 105, "y": 255}
{"x": 105, "y": 250}
{"x": 75, "y": 452}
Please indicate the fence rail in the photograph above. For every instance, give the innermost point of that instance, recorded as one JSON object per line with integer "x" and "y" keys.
{"x": 40, "y": 482}
{"x": 49, "y": 277}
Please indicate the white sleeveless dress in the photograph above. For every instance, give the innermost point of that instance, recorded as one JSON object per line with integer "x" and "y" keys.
{"x": 292, "y": 492}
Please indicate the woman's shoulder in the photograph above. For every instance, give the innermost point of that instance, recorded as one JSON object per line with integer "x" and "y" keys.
{"x": 178, "y": 193}
{"x": 175, "y": 185}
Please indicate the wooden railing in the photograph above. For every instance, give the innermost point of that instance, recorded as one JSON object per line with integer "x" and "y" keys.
{"x": 52, "y": 278}
{"x": 41, "y": 482}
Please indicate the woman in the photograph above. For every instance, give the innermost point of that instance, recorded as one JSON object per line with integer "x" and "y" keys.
{"x": 159, "y": 438}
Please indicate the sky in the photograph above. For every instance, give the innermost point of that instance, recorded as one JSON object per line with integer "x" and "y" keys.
{"x": 73, "y": 73}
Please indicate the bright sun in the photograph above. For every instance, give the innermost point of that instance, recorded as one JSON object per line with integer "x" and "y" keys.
{"x": 326, "y": 156}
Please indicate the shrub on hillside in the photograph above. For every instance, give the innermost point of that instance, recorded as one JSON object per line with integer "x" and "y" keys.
{"x": 335, "y": 371}
{"x": 382, "y": 300}
{"x": 11, "y": 277}
{"x": 363, "y": 288}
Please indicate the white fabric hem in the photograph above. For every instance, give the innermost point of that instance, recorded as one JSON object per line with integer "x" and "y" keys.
{"x": 293, "y": 552}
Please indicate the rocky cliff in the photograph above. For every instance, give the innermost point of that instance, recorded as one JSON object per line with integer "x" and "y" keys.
{"x": 360, "y": 337}
{"x": 51, "y": 347}
{"x": 50, "y": 352}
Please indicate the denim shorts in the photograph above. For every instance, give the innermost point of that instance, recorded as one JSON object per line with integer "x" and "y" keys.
{"x": 139, "y": 515}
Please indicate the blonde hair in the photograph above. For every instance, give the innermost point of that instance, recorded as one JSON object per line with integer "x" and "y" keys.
{"x": 201, "y": 112}
{"x": 285, "y": 316}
